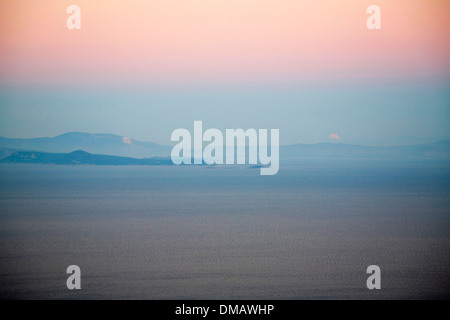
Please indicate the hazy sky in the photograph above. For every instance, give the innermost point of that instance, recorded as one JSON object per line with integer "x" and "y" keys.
{"x": 144, "y": 68}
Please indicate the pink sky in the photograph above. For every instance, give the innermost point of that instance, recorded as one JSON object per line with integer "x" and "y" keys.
{"x": 222, "y": 40}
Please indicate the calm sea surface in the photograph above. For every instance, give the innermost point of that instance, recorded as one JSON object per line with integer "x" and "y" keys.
{"x": 189, "y": 232}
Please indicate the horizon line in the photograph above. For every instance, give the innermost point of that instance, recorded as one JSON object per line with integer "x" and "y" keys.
{"x": 435, "y": 140}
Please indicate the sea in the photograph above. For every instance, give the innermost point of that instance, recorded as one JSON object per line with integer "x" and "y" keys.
{"x": 226, "y": 232}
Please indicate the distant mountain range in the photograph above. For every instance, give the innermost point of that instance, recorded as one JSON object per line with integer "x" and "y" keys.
{"x": 109, "y": 149}
{"x": 79, "y": 158}
{"x": 398, "y": 141}
{"x": 109, "y": 144}
{"x": 429, "y": 151}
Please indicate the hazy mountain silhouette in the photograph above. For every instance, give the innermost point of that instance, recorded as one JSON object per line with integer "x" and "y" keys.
{"x": 429, "y": 151}
{"x": 79, "y": 157}
{"x": 114, "y": 145}
{"x": 396, "y": 141}
{"x": 108, "y": 144}
{"x": 5, "y": 152}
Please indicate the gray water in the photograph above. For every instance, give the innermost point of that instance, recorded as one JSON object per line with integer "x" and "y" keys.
{"x": 310, "y": 232}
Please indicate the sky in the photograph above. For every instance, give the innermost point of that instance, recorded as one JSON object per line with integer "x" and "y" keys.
{"x": 309, "y": 68}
